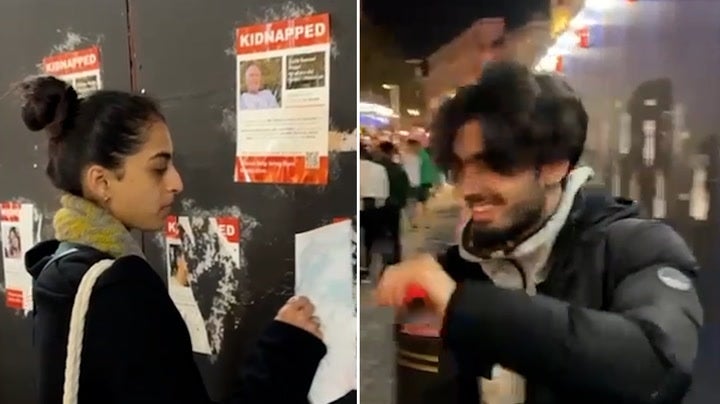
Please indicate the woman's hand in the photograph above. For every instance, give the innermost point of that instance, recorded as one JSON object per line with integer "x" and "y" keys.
{"x": 299, "y": 312}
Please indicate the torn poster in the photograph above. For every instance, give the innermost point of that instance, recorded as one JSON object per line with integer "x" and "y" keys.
{"x": 322, "y": 273}
{"x": 353, "y": 239}
{"x": 194, "y": 244}
{"x": 353, "y": 248}
{"x": 17, "y": 231}
{"x": 283, "y": 101}
{"x": 79, "y": 68}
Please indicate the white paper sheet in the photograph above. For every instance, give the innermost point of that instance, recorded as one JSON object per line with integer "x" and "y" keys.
{"x": 323, "y": 273}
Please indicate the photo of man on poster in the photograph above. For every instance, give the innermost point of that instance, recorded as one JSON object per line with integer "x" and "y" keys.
{"x": 261, "y": 84}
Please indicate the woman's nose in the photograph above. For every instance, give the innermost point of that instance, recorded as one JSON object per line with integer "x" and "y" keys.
{"x": 175, "y": 183}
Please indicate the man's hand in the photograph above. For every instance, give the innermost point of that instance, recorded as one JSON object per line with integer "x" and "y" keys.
{"x": 299, "y": 311}
{"x": 424, "y": 271}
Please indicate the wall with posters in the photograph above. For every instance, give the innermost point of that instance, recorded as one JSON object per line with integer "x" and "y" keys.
{"x": 241, "y": 235}
{"x": 654, "y": 130}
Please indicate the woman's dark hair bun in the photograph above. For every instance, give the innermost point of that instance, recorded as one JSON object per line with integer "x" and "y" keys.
{"x": 48, "y": 104}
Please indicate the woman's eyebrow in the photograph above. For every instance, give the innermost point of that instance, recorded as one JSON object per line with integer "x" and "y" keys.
{"x": 162, "y": 155}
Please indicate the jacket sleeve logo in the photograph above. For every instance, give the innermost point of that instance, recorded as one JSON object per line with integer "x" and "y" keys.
{"x": 674, "y": 279}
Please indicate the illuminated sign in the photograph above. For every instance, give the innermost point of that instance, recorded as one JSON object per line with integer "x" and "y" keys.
{"x": 583, "y": 37}
{"x": 559, "y": 20}
{"x": 373, "y": 121}
{"x": 376, "y": 109}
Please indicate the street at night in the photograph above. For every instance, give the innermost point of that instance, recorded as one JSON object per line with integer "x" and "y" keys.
{"x": 438, "y": 77}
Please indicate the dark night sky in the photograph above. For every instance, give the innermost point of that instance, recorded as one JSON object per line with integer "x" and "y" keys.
{"x": 420, "y": 27}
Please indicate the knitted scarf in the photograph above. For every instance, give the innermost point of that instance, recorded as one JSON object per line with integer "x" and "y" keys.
{"x": 81, "y": 221}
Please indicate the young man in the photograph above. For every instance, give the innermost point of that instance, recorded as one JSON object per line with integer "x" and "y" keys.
{"x": 558, "y": 293}
{"x": 429, "y": 179}
{"x": 399, "y": 192}
{"x": 410, "y": 158}
{"x": 374, "y": 191}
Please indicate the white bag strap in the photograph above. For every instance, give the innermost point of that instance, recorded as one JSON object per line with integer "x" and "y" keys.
{"x": 77, "y": 330}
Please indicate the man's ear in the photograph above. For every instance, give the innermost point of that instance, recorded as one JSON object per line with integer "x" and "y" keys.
{"x": 552, "y": 174}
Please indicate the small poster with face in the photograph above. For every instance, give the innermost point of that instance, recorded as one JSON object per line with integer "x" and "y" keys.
{"x": 16, "y": 232}
{"x": 283, "y": 101}
{"x": 79, "y": 68}
{"x": 195, "y": 248}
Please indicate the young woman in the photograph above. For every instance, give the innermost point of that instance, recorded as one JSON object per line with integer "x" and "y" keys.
{"x": 112, "y": 157}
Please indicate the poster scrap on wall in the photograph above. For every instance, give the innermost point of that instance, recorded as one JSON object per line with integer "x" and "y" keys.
{"x": 185, "y": 267}
{"x": 354, "y": 250}
{"x": 283, "y": 98}
{"x": 17, "y": 222}
{"x": 79, "y": 68}
{"x": 322, "y": 273}
{"x": 353, "y": 241}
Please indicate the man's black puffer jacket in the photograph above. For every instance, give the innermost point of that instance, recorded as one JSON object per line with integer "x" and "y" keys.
{"x": 616, "y": 321}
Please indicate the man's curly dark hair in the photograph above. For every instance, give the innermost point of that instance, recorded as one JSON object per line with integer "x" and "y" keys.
{"x": 528, "y": 119}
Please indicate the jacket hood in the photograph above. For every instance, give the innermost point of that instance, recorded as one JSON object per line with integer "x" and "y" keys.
{"x": 58, "y": 276}
{"x": 39, "y": 255}
{"x": 581, "y": 207}
{"x": 594, "y": 207}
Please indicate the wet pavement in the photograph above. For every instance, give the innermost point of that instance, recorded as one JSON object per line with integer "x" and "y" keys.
{"x": 377, "y": 349}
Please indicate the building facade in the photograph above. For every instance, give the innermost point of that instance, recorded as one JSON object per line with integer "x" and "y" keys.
{"x": 460, "y": 61}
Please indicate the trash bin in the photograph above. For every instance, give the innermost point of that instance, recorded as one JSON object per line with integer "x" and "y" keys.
{"x": 420, "y": 374}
